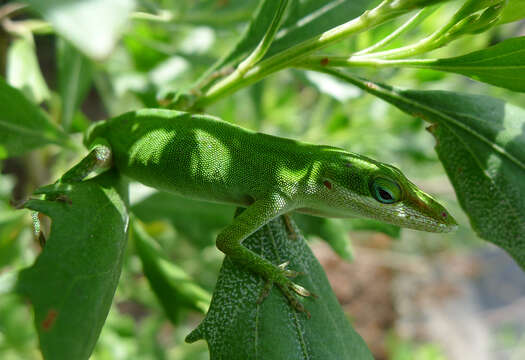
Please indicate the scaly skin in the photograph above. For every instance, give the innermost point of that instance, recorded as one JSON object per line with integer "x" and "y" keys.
{"x": 205, "y": 158}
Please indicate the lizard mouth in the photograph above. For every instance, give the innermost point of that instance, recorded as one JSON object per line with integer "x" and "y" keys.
{"x": 438, "y": 221}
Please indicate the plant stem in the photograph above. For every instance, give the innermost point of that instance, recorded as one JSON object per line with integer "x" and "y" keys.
{"x": 383, "y": 12}
{"x": 351, "y": 61}
{"x": 265, "y": 43}
{"x": 261, "y": 49}
{"x": 407, "y": 26}
{"x": 436, "y": 40}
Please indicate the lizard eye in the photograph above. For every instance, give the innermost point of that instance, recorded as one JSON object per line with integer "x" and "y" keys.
{"x": 385, "y": 191}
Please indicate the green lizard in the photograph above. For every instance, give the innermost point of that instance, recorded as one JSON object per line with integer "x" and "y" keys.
{"x": 205, "y": 158}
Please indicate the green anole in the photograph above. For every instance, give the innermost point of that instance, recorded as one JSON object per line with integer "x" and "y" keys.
{"x": 205, "y": 158}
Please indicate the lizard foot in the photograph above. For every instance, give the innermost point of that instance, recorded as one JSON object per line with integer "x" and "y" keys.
{"x": 288, "y": 288}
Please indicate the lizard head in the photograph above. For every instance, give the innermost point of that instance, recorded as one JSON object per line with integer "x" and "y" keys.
{"x": 356, "y": 186}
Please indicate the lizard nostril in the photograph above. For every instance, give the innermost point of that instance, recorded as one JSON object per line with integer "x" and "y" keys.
{"x": 444, "y": 214}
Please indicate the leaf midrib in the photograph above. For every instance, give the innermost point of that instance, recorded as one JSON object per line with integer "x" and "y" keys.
{"x": 452, "y": 120}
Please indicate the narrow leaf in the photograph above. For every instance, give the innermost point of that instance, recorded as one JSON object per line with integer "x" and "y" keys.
{"x": 74, "y": 80}
{"x": 23, "y": 71}
{"x": 198, "y": 221}
{"x": 304, "y": 20}
{"x": 91, "y": 25}
{"x": 364, "y": 224}
{"x": 481, "y": 143}
{"x": 72, "y": 283}
{"x": 309, "y": 18}
{"x": 514, "y": 10}
{"x": 238, "y": 328}
{"x": 172, "y": 286}
{"x": 261, "y": 21}
{"x": 333, "y": 231}
{"x": 23, "y": 125}
{"x": 501, "y": 65}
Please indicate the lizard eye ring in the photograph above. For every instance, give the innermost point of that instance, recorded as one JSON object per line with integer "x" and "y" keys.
{"x": 385, "y": 191}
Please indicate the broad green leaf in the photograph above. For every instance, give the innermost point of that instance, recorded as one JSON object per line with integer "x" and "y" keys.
{"x": 23, "y": 71}
{"x": 513, "y": 11}
{"x": 74, "y": 80}
{"x": 238, "y": 328}
{"x": 93, "y": 26}
{"x": 172, "y": 286}
{"x": 72, "y": 283}
{"x": 501, "y": 65}
{"x": 481, "y": 143}
{"x": 23, "y": 125}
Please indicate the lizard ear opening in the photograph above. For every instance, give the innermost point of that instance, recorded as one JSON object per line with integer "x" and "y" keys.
{"x": 327, "y": 184}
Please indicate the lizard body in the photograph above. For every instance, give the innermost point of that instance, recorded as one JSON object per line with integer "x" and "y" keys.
{"x": 202, "y": 157}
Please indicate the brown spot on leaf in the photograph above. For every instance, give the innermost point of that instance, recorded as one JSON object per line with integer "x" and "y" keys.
{"x": 328, "y": 184}
{"x": 431, "y": 128}
{"x": 49, "y": 321}
{"x": 325, "y": 61}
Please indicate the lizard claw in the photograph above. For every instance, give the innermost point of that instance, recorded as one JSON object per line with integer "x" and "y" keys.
{"x": 289, "y": 273}
{"x": 287, "y": 287}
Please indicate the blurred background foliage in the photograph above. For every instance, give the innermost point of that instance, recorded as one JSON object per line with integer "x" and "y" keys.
{"x": 160, "y": 54}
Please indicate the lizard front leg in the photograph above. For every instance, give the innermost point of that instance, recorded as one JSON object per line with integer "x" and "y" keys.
{"x": 255, "y": 216}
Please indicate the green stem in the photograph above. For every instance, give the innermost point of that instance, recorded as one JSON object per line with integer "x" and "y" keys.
{"x": 265, "y": 43}
{"x": 436, "y": 40}
{"x": 261, "y": 48}
{"x": 383, "y": 12}
{"x": 345, "y": 61}
{"x": 407, "y": 26}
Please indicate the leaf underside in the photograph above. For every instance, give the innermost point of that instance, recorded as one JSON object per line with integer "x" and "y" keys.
{"x": 481, "y": 143}
{"x": 502, "y": 64}
{"x": 236, "y": 327}
{"x": 72, "y": 283}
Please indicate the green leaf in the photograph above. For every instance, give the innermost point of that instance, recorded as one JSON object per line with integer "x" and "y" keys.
{"x": 72, "y": 283}
{"x": 238, "y": 328}
{"x": 91, "y": 25}
{"x": 362, "y": 224}
{"x": 304, "y": 20}
{"x": 481, "y": 143}
{"x": 172, "y": 286}
{"x": 309, "y": 18}
{"x": 23, "y": 71}
{"x": 501, "y": 65}
{"x": 199, "y": 221}
{"x": 74, "y": 80}
{"x": 23, "y": 125}
{"x": 513, "y": 11}
{"x": 333, "y": 231}
{"x": 261, "y": 20}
